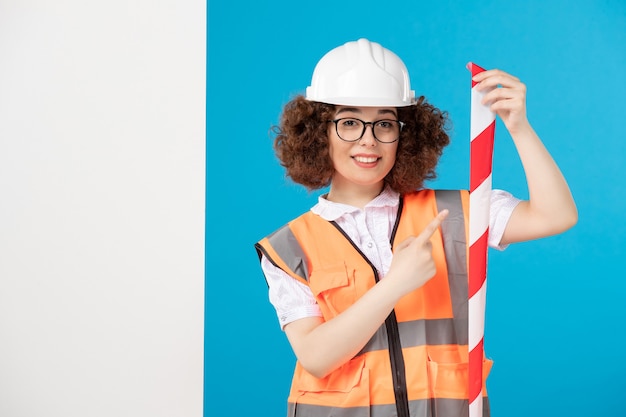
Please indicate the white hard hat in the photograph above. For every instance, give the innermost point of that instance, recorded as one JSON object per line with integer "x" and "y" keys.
{"x": 361, "y": 73}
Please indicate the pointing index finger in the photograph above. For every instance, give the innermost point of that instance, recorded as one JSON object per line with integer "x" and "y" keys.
{"x": 434, "y": 224}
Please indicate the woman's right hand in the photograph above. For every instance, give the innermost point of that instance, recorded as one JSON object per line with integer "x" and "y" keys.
{"x": 413, "y": 264}
{"x": 322, "y": 346}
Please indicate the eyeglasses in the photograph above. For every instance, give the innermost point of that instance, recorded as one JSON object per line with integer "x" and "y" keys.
{"x": 350, "y": 129}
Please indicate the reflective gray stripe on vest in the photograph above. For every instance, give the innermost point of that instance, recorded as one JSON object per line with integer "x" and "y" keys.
{"x": 416, "y": 333}
{"x": 455, "y": 247}
{"x": 437, "y": 407}
{"x": 288, "y": 248}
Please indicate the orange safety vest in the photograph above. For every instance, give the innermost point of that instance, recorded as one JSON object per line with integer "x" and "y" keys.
{"x": 416, "y": 364}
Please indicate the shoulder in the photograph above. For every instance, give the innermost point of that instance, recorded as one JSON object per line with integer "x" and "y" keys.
{"x": 428, "y": 194}
{"x": 303, "y": 218}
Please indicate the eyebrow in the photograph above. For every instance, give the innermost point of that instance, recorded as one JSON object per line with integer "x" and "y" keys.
{"x": 356, "y": 110}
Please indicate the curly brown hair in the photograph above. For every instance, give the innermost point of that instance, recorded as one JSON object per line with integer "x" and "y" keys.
{"x": 301, "y": 144}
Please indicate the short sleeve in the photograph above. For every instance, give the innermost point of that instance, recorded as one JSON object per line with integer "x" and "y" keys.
{"x": 291, "y": 299}
{"x": 502, "y": 205}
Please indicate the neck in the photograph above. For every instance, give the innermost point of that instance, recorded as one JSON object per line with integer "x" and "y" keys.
{"x": 355, "y": 196}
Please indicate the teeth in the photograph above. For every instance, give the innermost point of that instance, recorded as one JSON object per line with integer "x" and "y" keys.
{"x": 366, "y": 160}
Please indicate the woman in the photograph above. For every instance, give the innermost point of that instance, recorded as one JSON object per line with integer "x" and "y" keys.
{"x": 370, "y": 286}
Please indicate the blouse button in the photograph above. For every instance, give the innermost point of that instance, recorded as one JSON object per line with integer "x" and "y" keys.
{"x": 369, "y": 245}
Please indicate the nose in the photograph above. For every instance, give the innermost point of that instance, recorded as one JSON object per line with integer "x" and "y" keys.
{"x": 368, "y": 138}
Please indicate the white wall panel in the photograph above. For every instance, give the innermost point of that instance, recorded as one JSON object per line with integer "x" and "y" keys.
{"x": 102, "y": 153}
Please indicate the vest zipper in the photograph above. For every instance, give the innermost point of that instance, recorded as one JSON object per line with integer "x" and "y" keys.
{"x": 397, "y": 363}
{"x": 393, "y": 338}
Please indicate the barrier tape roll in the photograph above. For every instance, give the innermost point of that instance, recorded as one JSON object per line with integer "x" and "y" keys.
{"x": 482, "y": 129}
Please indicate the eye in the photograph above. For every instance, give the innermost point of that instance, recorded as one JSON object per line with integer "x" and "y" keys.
{"x": 349, "y": 123}
{"x": 385, "y": 124}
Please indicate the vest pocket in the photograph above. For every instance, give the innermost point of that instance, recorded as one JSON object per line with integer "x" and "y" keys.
{"x": 333, "y": 288}
{"x": 450, "y": 380}
{"x": 346, "y": 387}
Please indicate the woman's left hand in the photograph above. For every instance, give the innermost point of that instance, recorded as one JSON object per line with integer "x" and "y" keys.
{"x": 550, "y": 208}
{"x": 506, "y": 96}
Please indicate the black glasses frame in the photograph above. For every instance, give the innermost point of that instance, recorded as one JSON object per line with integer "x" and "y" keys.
{"x": 336, "y": 121}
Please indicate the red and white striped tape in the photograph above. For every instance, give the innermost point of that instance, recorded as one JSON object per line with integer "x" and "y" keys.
{"x": 482, "y": 127}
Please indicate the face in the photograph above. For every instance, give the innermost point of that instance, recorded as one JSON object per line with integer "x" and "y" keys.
{"x": 364, "y": 162}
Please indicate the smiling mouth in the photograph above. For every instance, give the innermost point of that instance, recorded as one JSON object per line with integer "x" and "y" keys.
{"x": 366, "y": 159}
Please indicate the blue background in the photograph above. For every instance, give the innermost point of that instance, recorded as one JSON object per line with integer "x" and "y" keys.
{"x": 556, "y": 309}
